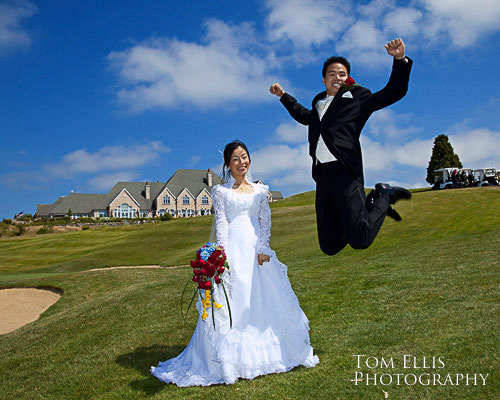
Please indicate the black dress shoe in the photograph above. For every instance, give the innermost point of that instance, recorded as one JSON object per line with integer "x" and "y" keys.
{"x": 395, "y": 193}
{"x": 370, "y": 202}
{"x": 391, "y": 212}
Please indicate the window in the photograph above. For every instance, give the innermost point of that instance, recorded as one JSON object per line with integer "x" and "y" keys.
{"x": 166, "y": 199}
{"x": 144, "y": 214}
{"x": 172, "y": 212}
{"x": 102, "y": 213}
{"x": 124, "y": 211}
{"x": 185, "y": 199}
{"x": 204, "y": 200}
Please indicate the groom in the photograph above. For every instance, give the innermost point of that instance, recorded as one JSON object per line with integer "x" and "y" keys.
{"x": 344, "y": 214}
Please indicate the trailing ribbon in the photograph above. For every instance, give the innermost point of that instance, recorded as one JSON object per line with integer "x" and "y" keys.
{"x": 207, "y": 302}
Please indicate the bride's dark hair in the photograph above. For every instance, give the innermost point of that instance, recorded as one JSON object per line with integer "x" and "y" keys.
{"x": 228, "y": 152}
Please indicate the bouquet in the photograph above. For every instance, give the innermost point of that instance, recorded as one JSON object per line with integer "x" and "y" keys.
{"x": 208, "y": 267}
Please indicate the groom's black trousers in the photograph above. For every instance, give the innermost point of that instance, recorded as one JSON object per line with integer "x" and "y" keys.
{"x": 341, "y": 213}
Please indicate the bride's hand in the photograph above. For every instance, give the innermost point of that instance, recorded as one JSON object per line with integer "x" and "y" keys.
{"x": 262, "y": 258}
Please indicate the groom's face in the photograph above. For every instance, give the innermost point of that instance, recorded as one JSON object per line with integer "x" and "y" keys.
{"x": 335, "y": 76}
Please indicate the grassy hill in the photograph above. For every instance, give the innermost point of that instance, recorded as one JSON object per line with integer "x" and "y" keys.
{"x": 428, "y": 287}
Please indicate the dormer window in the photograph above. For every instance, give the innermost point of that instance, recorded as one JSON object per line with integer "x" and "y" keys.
{"x": 185, "y": 199}
{"x": 204, "y": 200}
{"x": 166, "y": 199}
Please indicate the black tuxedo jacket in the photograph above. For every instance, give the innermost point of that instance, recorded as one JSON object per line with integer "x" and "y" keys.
{"x": 346, "y": 116}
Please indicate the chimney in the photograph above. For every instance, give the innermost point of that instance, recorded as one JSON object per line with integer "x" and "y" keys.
{"x": 209, "y": 178}
{"x": 148, "y": 190}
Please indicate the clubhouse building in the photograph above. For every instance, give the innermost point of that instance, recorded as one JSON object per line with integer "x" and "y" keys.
{"x": 185, "y": 194}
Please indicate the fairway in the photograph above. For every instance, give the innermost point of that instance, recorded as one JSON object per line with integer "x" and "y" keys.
{"x": 429, "y": 287}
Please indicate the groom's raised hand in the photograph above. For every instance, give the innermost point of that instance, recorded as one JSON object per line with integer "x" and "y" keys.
{"x": 276, "y": 89}
{"x": 396, "y": 48}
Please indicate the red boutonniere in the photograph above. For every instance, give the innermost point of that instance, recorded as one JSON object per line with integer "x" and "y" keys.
{"x": 349, "y": 83}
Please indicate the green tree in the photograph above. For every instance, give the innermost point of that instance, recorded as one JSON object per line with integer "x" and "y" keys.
{"x": 443, "y": 156}
{"x": 70, "y": 213}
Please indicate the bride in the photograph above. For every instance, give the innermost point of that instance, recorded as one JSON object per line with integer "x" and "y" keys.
{"x": 269, "y": 331}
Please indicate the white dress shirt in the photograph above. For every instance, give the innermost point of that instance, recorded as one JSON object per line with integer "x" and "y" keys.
{"x": 323, "y": 155}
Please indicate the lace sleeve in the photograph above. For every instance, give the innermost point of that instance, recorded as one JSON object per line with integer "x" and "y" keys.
{"x": 265, "y": 225}
{"x": 221, "y": 225}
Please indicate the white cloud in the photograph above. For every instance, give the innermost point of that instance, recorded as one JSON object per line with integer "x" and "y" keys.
{"x": 107, "y": 181}
{"x": 103, "y": 167}
{"x": 168, "y": 73}
{"x": 12, "y": 33}
{"x": 108, "y": 158}
{"x": 292, "y": 132}
{"x": 360, "y": 32}
{"x": 236, "y": 63}
{"x": 307, "y": 22}
{"x": 363, "y": 44}
{"x": 477, "y": 148}
{"x": 284, "y": 166}
{"x": 404, "y": 22}
{"x": 193, "y": 160}
{"x": 388, "y": 123}
{"x": 462, "y": 20}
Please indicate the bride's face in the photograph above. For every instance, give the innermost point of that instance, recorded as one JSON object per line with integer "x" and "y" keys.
{"x": 240, "y": 163}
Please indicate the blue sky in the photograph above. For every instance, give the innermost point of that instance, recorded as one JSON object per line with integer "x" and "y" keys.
{"x": 96, "y": 92}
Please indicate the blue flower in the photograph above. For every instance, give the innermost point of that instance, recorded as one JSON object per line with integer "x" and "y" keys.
{"x": 206, "y": 251}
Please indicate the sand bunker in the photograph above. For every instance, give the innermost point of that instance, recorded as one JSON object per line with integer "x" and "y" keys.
{"x": 20, "y": 306}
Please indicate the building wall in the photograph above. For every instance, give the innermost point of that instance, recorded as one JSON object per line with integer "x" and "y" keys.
{"x": 203, "y": 209}
{"x": 123, "y": 198}
{"x": 185, "y": 209}
{"x": 165, "y": 207}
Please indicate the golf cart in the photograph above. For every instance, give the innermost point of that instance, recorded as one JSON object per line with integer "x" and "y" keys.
{"x": 443, "y": 178}
{"x": 485, "y": 177}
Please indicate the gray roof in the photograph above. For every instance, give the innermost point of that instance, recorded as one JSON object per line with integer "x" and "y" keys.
{"x": 43, "y": 210}
{"x": 195, "y": 180}
{"x": 46, "y": 209}
{"x": 138, "y": 191}
{"x": 80, "y": 203}
{"x": 276, "y": 194}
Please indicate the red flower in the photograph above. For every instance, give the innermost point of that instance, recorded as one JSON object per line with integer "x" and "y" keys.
{"x": 205, "y": 285}
{"x": 196, "y": 272}
{"x": 196, "y": 278}
{"x": 217, "y": 280}
{"x": 210, "y": 270}
{"x": 217, "y": 253}
{"x": 220, "y": 263}
{"x": 220, "y": 270}
{"x": 349, "y": 81}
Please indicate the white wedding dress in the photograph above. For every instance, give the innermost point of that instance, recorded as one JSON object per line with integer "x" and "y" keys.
{"x": 270, "y": 332}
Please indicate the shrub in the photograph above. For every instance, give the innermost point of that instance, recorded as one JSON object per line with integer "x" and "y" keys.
{"x": 166, "y": 217}
{"x": 7, "y": 221}
{"x": 21, "y": 231}
{"x": 84, "y": 228}
{"x": 43, "y": 230}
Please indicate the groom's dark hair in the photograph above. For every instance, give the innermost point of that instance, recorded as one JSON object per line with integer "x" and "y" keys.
{"x": 336, "y": 59}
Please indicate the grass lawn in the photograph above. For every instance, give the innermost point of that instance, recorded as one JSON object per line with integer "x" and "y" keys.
{"x": 428, "y": 287}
